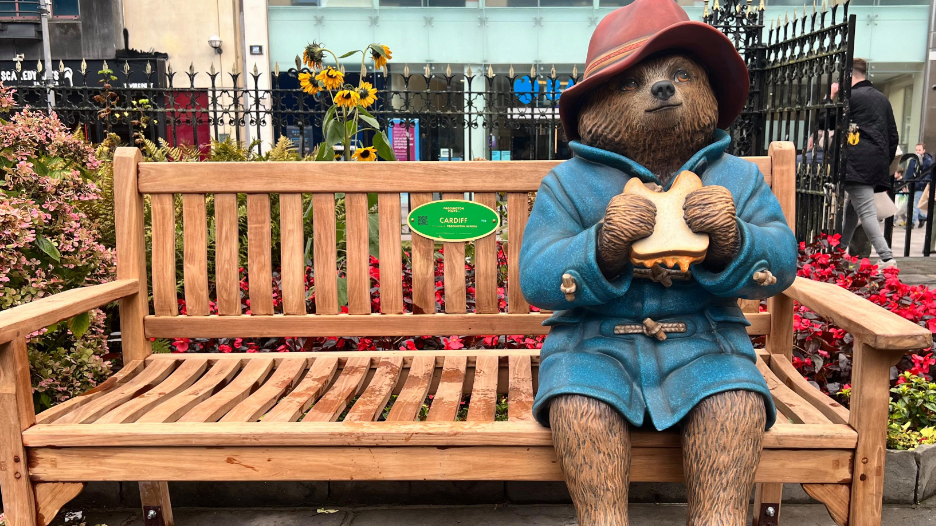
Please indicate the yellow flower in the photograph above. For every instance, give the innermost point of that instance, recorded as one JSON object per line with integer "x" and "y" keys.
{"x": 313, "y": 54}
{"x": 331, "y": 78}
{"x": 380, "y": 60}
{"x": 308, "y": 84}
{"x": 365, "y": 154}
{"x": 347, "y": 97}
{"x": 367, "y": 93}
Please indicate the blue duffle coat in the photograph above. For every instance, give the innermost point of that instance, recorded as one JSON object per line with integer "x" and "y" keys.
{"x": 634, "y": 373}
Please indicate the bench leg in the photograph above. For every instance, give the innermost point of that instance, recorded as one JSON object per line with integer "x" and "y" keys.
{"x": 767, "y": 496}
{"x": 157, "y": 509}
{"x": 16, "y": 415}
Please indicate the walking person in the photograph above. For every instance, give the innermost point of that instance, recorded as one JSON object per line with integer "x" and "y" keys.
{"x": 918, "y": 181}
{"x": 871, "y": 145}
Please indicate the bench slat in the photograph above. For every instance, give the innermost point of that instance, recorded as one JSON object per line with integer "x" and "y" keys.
{"x": 349, "y": 382}
{"x": 483, "y": 404}
{"x": 119, "y": 378}
{"x": 448, "y": 396}
{"x": 259, "y": 254}
{"x": 251, "y": 376}
{"x": 517, "y": 214}
{"x": 788, "y": 403}
{"x": 486, "y": 263}
{"x": 424, "y": 287}
{"x": 292, "y": 254}
{"x": 185, "y": 375}
{"x": 411, "y": 398}
{"x": 520, "y": 389}
{"x": 251, "y": 463}
{"x": 395, "y": 433}
{"x": 454, "y": 271}
{"x": 255, "y": 405}
{"x": 227, "y": 253}
{"x": 391, "y": 262}
{"x": 150, "y": 377}
{"x": 834, "y": 411}
{"x": 325, "y": 253}
{"x": 195, "y": 250}
{"x": 296, "y": 403}
{"x": 357, "y": 253}
{"x": 164, "y": 255}
{"x": 371, "y": 403}
{"x": 216, "y": 377}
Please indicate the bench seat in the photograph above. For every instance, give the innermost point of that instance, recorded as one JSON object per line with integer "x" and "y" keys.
{"x": 182, "y": 410}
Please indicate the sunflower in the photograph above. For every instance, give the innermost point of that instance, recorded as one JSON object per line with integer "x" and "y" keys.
{"x": 365, "y": 154}
{"x": 380, "y": 59}
{"x": 331, "y": 78}
{"x": 313, "y": 54}
{"x": 367, "y": 93}
{"x": 347, "y": 97}
{"x": 308, "y": 84}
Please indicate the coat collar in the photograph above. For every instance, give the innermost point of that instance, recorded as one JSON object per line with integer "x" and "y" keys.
{"x": 698, "y": 163}
{"x": 863, "y": 84}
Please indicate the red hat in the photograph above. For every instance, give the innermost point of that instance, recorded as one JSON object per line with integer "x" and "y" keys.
{"x": 633, "y": 32}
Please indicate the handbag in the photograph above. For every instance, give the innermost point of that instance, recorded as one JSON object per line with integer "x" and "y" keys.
{"x": 924, "y": 198}
{"x": 884, "y": 206}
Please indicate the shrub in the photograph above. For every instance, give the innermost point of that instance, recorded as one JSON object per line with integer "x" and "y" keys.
{"x": 912, "y": 419}
{"x": 50, "y": 245}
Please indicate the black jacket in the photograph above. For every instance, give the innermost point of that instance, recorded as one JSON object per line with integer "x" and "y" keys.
{"x": 868, "y": 161}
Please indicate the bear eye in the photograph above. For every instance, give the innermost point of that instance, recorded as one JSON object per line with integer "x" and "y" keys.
{"x": 629, "y": 84}
{"x": 682, "y": 76}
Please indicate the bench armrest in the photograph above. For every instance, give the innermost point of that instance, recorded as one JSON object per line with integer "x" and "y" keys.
{"x": 30, "y": 317}
{"x": 866, "y": 321}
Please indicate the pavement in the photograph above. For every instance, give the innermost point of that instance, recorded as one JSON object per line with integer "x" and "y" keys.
{"x": 488, "y": 515}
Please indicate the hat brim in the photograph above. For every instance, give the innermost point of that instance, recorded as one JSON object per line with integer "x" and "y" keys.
{"x": 727, "y": 71}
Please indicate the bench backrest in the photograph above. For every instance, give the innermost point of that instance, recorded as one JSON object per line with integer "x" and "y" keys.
{"x": 502, "y": 185}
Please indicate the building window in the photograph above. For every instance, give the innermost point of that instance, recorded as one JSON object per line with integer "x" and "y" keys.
{"x": 428, "y": 3}
{"x": 30, "y": 8}
{"x": 64, "y": 7}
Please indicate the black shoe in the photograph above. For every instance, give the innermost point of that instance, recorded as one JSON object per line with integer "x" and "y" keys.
{"x": 922, "y": 223}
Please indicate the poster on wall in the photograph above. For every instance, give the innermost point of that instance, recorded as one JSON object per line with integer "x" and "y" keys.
{"x": 404, "y": 139}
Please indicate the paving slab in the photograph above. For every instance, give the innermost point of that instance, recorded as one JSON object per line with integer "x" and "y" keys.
{"x": 488, "y": 515}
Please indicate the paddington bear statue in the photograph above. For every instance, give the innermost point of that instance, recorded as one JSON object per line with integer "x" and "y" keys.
{"x": 631, "y": 346}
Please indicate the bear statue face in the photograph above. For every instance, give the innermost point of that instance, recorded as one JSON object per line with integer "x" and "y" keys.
{"x": 658, "y": 113}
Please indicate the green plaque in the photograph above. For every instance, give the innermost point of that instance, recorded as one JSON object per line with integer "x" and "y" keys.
{"x": 453, "y": 220}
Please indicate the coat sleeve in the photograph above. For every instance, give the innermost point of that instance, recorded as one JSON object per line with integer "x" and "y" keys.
{"x": 893, "y": 137}
{"x": 555, "y": 242}
{"x": 767, "y": 243}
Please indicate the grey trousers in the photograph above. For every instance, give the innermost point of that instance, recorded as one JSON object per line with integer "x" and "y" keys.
{"x": 860, "y": 204}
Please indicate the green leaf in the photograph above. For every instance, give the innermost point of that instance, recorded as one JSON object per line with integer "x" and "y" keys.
{"x": 79, "y": 324}
{"x": 334, "y": 134}
{"x": 325, "y": 153}
{"x": 373, "y": 230}
{"x": 368, "y": 118}
{"x": 352, "y": 129}
{"x": 382, "y": 143}
{"x": 349, "y": 53}
{"x": 377, "y": 48}
{"x": 329, "y": 115}
{"x": 49, "y": 248}
{"x": 342, "y": 291}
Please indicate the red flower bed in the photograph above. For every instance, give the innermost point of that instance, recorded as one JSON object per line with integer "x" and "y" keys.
{"x": 823, "y": 352}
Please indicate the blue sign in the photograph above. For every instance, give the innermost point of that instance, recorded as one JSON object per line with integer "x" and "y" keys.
{"x": 525, "y": 89}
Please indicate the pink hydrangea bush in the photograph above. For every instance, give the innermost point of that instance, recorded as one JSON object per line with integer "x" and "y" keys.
{"x": 51, "y": 246}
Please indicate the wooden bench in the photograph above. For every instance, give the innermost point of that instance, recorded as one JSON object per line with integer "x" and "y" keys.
{"x": 234, "y": 417}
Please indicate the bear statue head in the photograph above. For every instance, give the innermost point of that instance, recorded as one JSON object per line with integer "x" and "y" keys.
{"x": 658, "y": 113}
{"x": 656, "y": 86}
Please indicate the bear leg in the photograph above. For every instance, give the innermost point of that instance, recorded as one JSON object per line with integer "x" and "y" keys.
{"x": 722, "y": 441}
{"x": 592, "y": 442}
